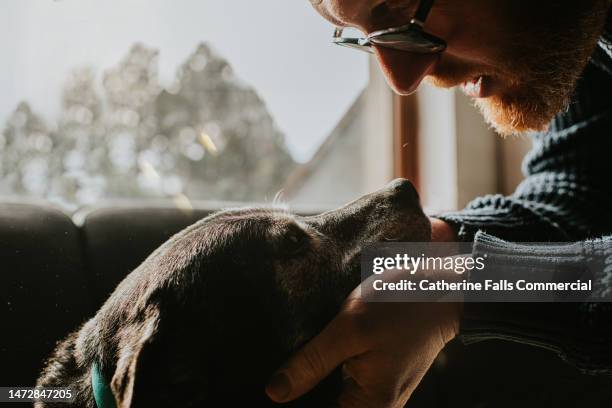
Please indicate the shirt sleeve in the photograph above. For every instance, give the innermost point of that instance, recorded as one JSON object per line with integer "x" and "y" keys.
{"x": 581, "y": 333}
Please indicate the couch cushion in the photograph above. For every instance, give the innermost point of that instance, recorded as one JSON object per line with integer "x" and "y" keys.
{"x": 118, "y": 239}
{"x": 43, "y": 290}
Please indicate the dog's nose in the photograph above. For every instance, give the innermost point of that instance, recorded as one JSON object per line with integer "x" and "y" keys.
{"x": 403, "y": 189}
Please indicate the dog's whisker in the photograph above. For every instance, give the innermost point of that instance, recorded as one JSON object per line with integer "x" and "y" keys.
{"x": 278, "y": 197}
{"x": 278, "y": 202}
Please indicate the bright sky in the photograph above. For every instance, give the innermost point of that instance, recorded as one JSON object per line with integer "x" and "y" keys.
{"x": 281, "y": 47}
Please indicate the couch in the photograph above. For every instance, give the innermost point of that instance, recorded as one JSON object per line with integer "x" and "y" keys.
{"x": 57, "y": 269}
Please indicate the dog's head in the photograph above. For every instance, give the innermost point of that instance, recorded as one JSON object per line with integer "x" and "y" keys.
{"x": 216, "y": 309}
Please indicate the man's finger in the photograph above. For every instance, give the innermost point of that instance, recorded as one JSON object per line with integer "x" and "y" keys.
{"x": 315, "y": 361}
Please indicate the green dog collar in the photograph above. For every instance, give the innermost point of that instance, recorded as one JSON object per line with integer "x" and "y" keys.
{"x": 103, "y": 395}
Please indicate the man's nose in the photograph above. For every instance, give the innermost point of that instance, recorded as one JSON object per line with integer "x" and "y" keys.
{"x": 405, "y": 70}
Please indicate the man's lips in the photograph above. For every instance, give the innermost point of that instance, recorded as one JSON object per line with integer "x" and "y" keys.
{"x": 481, "y": 86}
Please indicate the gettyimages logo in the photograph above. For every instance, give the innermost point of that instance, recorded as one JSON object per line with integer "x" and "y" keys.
{"x": 411, "y": 264}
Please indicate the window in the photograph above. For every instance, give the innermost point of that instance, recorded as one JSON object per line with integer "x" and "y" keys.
{"x": 194, "y": 100}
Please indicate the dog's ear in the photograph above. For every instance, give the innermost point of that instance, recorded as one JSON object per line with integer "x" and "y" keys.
{"x": 134, "y": 349}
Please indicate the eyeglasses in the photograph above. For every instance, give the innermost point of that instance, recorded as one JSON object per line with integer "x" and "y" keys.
{"x": 409, "y": 37}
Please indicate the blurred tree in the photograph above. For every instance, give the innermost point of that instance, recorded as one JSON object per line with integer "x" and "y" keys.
{"x": 25, "y": 147}
{"x": 78, "y": 173}
{"x": 206, "y": 136}
{"x": 130, "y": 90}
{"x": 223, "y": 127}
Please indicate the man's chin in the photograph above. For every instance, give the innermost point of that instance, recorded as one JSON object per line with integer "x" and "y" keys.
{"x": 515, "y": 110}
{"x": 511, "y": 116}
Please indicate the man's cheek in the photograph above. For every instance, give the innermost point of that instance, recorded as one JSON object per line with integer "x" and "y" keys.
{"x": 346, "y": 13}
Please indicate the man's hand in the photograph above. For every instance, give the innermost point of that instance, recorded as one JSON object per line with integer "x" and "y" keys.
{"x": 441, "y": 231}
{"x": 385, "y": 349}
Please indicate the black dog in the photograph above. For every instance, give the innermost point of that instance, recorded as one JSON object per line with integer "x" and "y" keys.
{"x": 206, "y": 319}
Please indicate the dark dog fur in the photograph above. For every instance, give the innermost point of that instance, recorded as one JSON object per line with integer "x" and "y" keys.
{"x": 206, "y": 319}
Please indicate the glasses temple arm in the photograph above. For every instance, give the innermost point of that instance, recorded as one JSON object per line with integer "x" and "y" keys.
{"x": 423, "y": 11}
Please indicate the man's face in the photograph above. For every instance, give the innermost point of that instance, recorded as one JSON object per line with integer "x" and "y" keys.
{"x": 518, "y": 59}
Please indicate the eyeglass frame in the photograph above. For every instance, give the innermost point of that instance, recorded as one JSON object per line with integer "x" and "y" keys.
{"x": 409, "y": 37}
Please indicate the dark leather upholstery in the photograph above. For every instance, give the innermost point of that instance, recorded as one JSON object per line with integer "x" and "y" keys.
{"x": 54, "y": 274}
{"x": 44, "y": 289}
